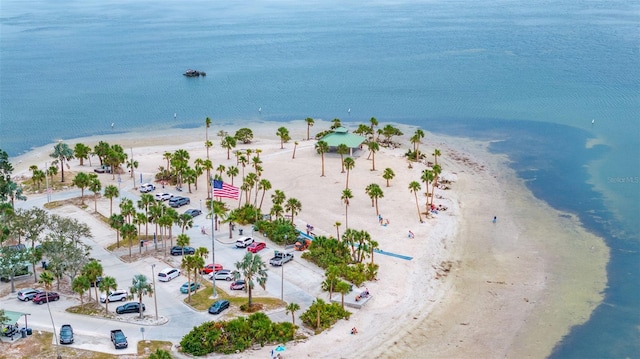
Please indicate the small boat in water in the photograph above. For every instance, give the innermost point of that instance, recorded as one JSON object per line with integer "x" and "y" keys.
{"x": 194, "y": 73}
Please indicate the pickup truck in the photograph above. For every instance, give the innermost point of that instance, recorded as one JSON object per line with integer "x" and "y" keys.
{"x": 118, "y": 339}
{"x": 280, "y": 258}
{"x": 103, "y": 169}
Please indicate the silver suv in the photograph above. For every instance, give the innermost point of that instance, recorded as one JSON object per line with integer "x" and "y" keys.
{"x": 118, "y": 295}
{"x": 27, "y": 294}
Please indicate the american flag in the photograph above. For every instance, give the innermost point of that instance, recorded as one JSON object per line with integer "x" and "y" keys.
{"x": 224, "y": 190}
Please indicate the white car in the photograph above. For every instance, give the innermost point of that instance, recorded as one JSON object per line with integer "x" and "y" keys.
{"x": 223, "y": 274}
{"x": 244, "y": 242}
{"x": 168, "y": 274}
{"x": 163, "y": 196}
{"x": 147, "y": 187}
{"x": 119, "y": 295}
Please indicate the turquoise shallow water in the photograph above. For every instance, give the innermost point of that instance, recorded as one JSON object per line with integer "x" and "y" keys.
{"x": 532, "y": 74}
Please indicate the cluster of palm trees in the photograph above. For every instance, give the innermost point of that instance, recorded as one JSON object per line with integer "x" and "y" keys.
{"x": 179, "y": 171}
{"x": 430, "y": 177}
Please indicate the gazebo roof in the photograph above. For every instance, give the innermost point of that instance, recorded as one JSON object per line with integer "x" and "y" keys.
{"x": 12, "y": 317}
{"x": 340, "y": 136}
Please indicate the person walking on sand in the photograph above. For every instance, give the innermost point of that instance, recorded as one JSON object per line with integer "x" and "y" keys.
{"x": 495, "y": 219}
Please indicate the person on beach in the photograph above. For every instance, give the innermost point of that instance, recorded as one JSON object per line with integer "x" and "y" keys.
{"x": 411, "y": 235}
{"x": 495, "y": 219}
{"x": 354, "y": 330}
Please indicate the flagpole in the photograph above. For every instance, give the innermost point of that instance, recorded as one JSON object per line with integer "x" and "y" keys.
{"x": 213, "y": 240}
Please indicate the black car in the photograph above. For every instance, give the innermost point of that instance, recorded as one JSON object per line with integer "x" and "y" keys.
{"x": 66, "y": 334}
{"x": 176, "y": 202}
{"x": 193, "y": 212}
{"x": 131, "y": 307}
{"x": 218, "y": 306}
{"x": 178, "y": 251}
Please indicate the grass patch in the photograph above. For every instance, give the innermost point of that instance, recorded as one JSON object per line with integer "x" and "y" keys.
{"x": 91, "y": 308}
{"x": 146, "y": 347}
{"x": 201, "y": 300}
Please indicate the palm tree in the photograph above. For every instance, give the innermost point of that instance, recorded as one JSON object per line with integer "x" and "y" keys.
{"x": 292, "y": 308}
{"x": 207, "y": 124}
{"x": 374, "y": 123}
{"x": 283, "y": 133}
{"x": 80, "y": 285}
{"x": 414, "y": 187}
{"x": 416, "y": 140}
{"x": 294, "y": 206}
{"x": 343, "y": 288}
{"x": 310, "y": 123}
{"x": 81, "y": 180}
{"x": 127, "y": 210}
{"x": 436, "y": 173}
{"x": 110, "y": 192}
{"x": 92, "y": 270}
{"x": 185, "y": 221}
{"x": 252, "y": 267}
{"x": 436, "y": 154}
{"x": 187, "y": 265}
{"x": 95, "y": 186}
{"x": 167, "y": 156}
{"x": 332, "y": 276}
{"x": 62, "y": 152}
{"x": 349, "y": 164}
{"x": 145, "y": 203}
{"x": 264, "y": 185}
{"x": 388, "y": 175}
{"x": 337, "y": 225}
{"x": 295, "y": 145}
{"x": 81, "y": 152}
{"x": 46, "y": 278}
{"x": 183, "y": 240}
{"x": 116, "y": 221}
{"x": 129, "y": 232}
{"x": 140, "y": 286}
{"x": 427, "y": 177}
{"x": 346, "y": 197}
{"x": 374, "y": 191}
{"x": 140, "y": 219}
{"x": 373, "y": 245}
{"x": 132, "y": 165}
{"x": 160, "y": 354}
{"x": 38, "y": 177}
{"x": 107, "y": 285}
{"x": 373, "y": 148}
{"x": 229, "y": 142}
{"x": 322, "y": 147}
{"x": 342, "y": 150}
{"x": 232, "y": 172}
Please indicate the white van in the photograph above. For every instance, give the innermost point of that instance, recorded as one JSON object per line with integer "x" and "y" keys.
{"x": 168, "y": 274}
{"x": 244, "y": 242}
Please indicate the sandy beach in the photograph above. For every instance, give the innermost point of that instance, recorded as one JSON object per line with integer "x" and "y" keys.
{"x": 473, "y": 288}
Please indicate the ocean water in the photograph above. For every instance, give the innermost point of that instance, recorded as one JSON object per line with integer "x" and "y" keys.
{"x": 533, "y": 75}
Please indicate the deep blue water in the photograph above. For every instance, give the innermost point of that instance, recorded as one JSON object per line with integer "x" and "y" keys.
{"x": 532, "y": 74}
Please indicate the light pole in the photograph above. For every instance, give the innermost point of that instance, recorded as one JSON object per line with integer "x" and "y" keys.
{"x": 282, "y": 273}
{"x": 155, "y": 295}
{"x": 213, "y": 243}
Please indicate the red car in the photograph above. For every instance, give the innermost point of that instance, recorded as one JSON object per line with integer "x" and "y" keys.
{"x": 42, "y": 297}
{"x": 209, "y": 268}
{"x": 255, "y": 247}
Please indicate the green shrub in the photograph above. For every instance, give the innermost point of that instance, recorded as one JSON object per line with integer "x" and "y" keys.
{"x": 328, "y": 314}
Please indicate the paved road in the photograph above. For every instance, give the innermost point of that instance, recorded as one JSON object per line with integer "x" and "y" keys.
{"x": 300, "y": 283}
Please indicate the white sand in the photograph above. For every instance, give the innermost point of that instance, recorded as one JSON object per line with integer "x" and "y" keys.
{"x": 515, "y": 287}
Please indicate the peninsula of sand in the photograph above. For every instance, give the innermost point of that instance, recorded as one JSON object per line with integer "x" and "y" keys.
{"x": 466, "y": 287}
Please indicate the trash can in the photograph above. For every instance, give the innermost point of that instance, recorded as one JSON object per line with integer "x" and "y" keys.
{"x": 240, "y": 231}
{"x": 141, "y": 244}
{"x": 29, "y": 331}
{"x": 24, "y": 332}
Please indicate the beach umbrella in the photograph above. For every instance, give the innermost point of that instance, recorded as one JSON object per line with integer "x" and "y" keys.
{"x": 277, "y": 350}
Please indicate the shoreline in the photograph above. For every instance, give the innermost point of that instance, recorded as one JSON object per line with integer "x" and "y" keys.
{"x": 526, "y": 285}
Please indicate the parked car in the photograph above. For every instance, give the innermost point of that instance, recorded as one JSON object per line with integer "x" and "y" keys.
{"x": 176, "y": 202}
{"x": 255, "y": 247}
{"x": 66, "y": 334}
{"x": 189, "y": 287}
{"x": 119, "y": 295}
{"x": 193, "y": 212}
{"x": 97, "y": 284}
{"x": 178, "y": 251}
{"x": 43, "y": 297}
{"x": 163, "y": 196}
{"x": 131, "y": 307}
{"x": 210, "y": 268}
{"x": 218, "y": 306}
{"x": 237, "y": 285}
{"x": 28, "y": 294}
{"x": 244, "y": 242}
{"x": 147, "y": 187}
{"x": 103, "y": 169}
{"x": 224, "y": 274}
{"x": 168, "y": 274}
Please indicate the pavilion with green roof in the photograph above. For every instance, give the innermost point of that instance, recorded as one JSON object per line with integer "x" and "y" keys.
{"x": 340, "y": 136}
